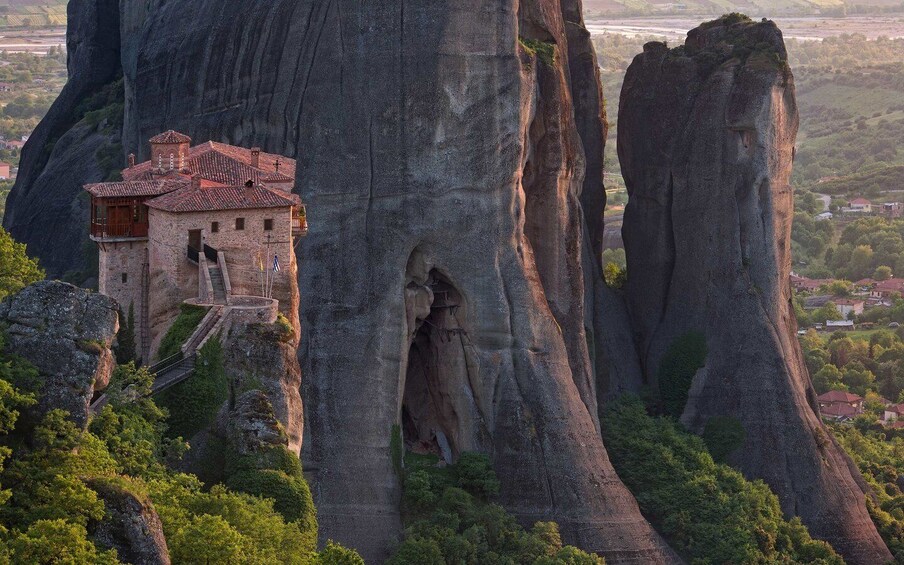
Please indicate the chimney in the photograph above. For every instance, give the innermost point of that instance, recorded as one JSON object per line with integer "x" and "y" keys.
{"x": 196, "y": 182}
{"x": 256, "y": 157}
{"x": 131, "y": 160}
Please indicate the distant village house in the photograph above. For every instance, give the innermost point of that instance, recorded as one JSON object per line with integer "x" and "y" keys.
{"x": 840, "y": 405}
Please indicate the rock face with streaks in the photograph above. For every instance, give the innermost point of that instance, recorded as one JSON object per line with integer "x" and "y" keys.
{"x": 64, "y": 152}
{"x": 706, "y": 143}
{"x": 66, "y": 333}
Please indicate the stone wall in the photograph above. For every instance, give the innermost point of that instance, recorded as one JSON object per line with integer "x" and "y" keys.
{"x": 119, "y": 259}
{"x": 175, "y": 279}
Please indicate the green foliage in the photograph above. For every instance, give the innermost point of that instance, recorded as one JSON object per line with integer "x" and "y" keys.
{"x": 193, "y": 403}
{"x": 880, "y": 458}
{"x": 826, "y": 312}
{"x": 335, "y": 554}
{"x": 722, "y": 436}
{"x": 614, "y": 275}
{"x": 50, "y": 503}
{"x": 125, "y": 339}
{"x": 183, "y": 326}
{"x": 58, "y": 542}
{"x": 17, "y": 269}
{"x": 882, "y": 273}
{"x": 677, "y": 368}
{"x": 545, "y": 51}
{"x": 707, "y": 511}
{"x": 449, "y": 520}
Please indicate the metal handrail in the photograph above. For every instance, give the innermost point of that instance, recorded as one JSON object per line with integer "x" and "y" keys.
{"x": 210, "y": 253}
{"x": 193, "y": 254}
{"x": 167, "y": 363}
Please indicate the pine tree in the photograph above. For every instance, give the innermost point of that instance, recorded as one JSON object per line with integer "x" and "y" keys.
{"x": 125, "y": 339}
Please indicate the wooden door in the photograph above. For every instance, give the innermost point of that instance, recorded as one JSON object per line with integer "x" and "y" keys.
{"x": 194, "y": 239}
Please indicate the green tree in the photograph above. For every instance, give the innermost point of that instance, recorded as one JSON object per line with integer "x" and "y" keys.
{"x": 209, "y": 540}
{"x": 857, "y": 377}
{"x": 53, "y": 542}
{"x": 615, "y": 276}
{"x": 861, "y": 265}
{"x": 125, "y": 339}
{"x": 17, "y": 269}
{"x": 882, "y": 273}
{"x": 827, "y": 378}
{"x": 706, "y": 511}
{"x": 826, "y": 312}
{"x": 335, "y": 554}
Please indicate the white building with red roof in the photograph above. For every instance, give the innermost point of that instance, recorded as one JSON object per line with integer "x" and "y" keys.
{"x": 206, "y": 224}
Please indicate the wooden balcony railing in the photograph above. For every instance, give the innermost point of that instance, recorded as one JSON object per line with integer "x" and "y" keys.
{"x": 102, "y": 229}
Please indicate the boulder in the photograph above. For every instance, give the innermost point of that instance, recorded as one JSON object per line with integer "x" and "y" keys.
{"x": 130, "y": 525}
{"x": 251, "y": 425}
{"x": 66, "y": 333}
{"x": 706, "y": 143}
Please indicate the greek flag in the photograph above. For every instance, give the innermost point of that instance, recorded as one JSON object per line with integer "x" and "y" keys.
{"x": 275, "y": 263}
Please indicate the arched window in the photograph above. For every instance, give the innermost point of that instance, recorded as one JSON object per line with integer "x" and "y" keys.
{"x": 172, "y": 161}
{"x": 160, "y": 160}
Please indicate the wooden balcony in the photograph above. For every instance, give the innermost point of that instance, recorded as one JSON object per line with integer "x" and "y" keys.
{"x": 103, "y": 230}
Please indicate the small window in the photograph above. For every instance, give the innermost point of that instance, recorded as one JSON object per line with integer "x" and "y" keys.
{"x": 268, "y": 224}
{"x": 125, "y": 278}
{"x": 214, "y": 227}
{"x": 240, "y": 223}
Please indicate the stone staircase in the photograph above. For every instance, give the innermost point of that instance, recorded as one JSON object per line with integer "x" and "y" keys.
{"x": 218, "y": 285}
{"x": 179, "y": 367}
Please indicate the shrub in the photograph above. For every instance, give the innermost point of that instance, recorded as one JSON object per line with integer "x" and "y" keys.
{"x": 684, "y": 357}
{"x": 193, "y": 403}
{"x": 183, "y": 326}
{"x": 722, "y": 436}
{"x": 448, "y": 524}
{"x": 17, "y": 269}
{"x": 706, "y": 511}
{"x": 125, "y": 339}
{"x": 290, "y": 494}
{"x": 545, "y": 52}
{"x": 614, "y": 275}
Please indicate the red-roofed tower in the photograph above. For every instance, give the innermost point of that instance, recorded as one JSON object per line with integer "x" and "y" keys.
{"x": 169, "y": 152}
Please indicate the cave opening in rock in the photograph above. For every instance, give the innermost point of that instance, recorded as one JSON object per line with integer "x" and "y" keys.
{"x": 437, "y": 385}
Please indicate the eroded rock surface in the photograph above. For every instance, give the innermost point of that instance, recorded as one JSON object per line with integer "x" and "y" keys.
{"x": 66, "y": 333}
{"x": 44, "y": 209}
{"x": 263, "y": 357}
{"x": 706, "y": 143}
{"x": 131, "y": 526}
{"x": 437, "y": 142}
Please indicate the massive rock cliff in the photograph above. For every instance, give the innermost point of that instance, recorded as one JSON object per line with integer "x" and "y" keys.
{"x": 706, "y": 142}
{"x": 44, "y": 209}
{"x": 442, "y": 150}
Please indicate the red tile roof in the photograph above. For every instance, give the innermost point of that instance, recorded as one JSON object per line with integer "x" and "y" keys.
{"x": 891, "y": 285}
{"x": 838, "y": 411}
{"x": 170, "y": 137}
{"x": 862, "y": 201}
{"x": 191, "y": 199}
{"x": 225, "y": 164}
{"x": 839, "y": 396}
{"x": 137, "y": 188}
